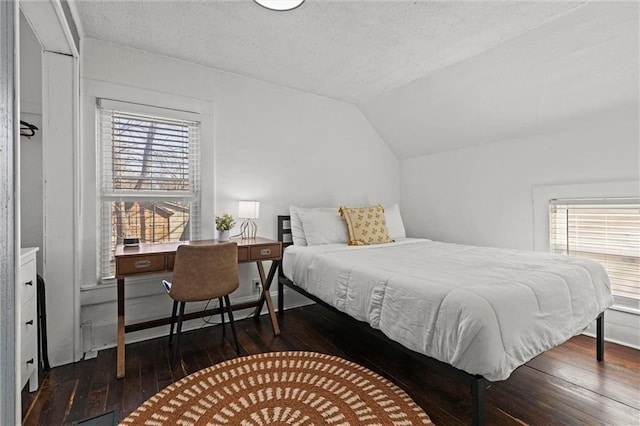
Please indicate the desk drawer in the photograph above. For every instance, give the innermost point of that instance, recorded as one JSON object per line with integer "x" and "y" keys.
{"x": 267, "y": 251}
{"x": 171, "y": 260}
{"x": 140, "y": 264}
{"x": 243, "y": 254}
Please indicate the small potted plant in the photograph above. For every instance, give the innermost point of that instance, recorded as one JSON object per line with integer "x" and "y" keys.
{"x": 223, "y": 224}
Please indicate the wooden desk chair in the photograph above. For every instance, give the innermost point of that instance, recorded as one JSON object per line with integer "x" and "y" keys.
{"x": 203, "y": 272}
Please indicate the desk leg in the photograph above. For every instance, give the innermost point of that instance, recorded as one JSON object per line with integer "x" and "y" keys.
{"x": 272, "y": 314}
{"x": 280, "y": 298}
{"x": 120, "y": 357}
{"x": 266, "y": 296}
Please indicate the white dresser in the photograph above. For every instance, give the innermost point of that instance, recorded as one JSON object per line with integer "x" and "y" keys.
{"x": 27, "y": 322}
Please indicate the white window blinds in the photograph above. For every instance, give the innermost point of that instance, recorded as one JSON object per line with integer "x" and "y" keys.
{"x": 604, "y": 230}
{"x": 150, "y": 176}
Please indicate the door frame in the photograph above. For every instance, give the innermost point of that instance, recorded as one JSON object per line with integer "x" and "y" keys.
{"x": 8, "y": 135}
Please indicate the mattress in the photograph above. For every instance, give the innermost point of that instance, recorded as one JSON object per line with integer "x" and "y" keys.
{"x": 482, "y": 310}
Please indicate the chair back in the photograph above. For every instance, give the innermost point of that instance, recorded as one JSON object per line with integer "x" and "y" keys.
{"x": 203, "y": 272}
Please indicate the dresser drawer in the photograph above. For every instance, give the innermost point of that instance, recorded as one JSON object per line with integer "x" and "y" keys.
{"x": 264, "y": 252}
{"x": 28, "y": 322}
{"x": 26, "y": 344}
{"x": 28, "y": 361}
{"x": 27, "y": 286}
{"x": 140, "y": 264}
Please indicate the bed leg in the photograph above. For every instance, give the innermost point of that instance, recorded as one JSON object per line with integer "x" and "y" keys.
{"x": 478, "y": 386}
{"x": 600, "y": 337}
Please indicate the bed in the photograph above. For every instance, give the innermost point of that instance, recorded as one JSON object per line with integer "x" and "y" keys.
{"x": 482, "y": 311}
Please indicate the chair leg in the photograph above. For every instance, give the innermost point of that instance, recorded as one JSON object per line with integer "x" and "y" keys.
{"x": 233, "y": 327}
{"x": 221, "y": 314}
{"x": 178, "y": 332}
{"x": 173, "y": 319}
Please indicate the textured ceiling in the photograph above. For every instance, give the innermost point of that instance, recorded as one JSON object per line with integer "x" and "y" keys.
{"x": 579, "y": 68}
{"x": 349, "y": 50}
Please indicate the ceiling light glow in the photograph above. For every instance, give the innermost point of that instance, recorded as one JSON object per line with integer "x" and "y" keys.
{"x": 280, "y": 5}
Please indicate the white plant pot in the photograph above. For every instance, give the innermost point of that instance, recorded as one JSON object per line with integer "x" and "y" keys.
{"x": 223, "y": 235}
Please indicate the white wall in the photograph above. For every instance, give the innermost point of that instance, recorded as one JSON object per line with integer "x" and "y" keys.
{"x": 482, "y": 195}
{"x": 30, "y": 69}
{"x": 261, "y": 142}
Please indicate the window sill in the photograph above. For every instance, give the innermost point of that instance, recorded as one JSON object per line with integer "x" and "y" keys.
{"x": 625, "y": 309}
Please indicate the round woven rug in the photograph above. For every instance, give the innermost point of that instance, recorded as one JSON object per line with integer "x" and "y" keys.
{"x": 293, "y": 388}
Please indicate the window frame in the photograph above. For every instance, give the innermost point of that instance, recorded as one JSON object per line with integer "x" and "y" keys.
{"x": 106, "y": 196}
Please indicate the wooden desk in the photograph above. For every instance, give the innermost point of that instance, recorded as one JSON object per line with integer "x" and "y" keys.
{"x": 160, "y": 257}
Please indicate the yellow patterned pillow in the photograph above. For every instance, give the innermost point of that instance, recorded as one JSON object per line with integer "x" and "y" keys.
{"x": 366, "y": 225}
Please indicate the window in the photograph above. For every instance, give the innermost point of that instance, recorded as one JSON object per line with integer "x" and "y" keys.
{"x": 605, "y": 230}
{"x": 149, "y": 176}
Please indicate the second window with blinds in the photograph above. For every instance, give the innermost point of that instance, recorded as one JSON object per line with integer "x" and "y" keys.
{"x": 606, "y": 230}
{"x": 149, "y": 176}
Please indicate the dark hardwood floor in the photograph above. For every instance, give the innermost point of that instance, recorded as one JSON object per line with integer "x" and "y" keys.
{"x": 565, "y": 385}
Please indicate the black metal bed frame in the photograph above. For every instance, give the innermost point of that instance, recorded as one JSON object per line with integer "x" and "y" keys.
{"x": 478, "y": 384}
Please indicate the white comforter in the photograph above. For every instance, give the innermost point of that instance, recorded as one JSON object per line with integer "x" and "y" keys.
{"x": 483, "y": 310}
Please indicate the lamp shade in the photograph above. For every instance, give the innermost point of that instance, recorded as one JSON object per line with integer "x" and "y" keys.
{"x": 249, "y": 209}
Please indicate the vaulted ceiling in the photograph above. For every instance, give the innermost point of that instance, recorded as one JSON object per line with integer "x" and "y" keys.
{"x": 429, "y": 75}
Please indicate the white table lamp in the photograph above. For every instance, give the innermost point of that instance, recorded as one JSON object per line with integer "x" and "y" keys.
{"x": 249, "y": 210}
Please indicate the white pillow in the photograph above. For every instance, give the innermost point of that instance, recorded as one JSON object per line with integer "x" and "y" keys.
{"x": 297, "y": 232}
{"x": 323, "y": 226}
{"x": 297, "y": 229}
{"x": 395, "y": 227}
